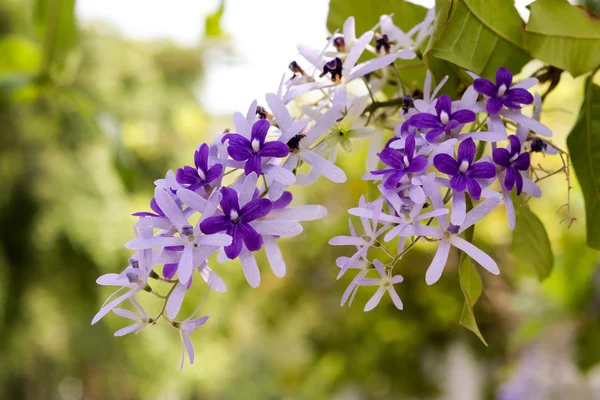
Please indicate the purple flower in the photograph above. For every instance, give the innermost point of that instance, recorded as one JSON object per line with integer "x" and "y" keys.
{"x": 463, "y": 170}
{"x": 252, "y": 151}
{"x": 236, "y": 222}
{"x": 400, "y": 164}
{"x": 514, "y": 161}
{"x": 501, "y": 94}
{"x": 201, "y": 175}
{"x": 444, "y": 121}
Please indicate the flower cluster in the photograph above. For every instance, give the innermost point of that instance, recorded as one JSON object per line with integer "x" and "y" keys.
{"x": 233, "y": 200}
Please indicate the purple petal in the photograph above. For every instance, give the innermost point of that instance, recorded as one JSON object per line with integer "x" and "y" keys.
{"x": 201, "y": 157}
{"x": 474, "y": 188}
{"x": 213, "y": 173}
{"x": 519, "y": 182}
{"x": 509, "y": 179}
{"x": 463, "y": 116}
{"x": 518, "y": 96}
{"x": 239, "y": 147}
{"x": 466, "y": 151}
{"x": 392, "y": 158}
{"x": 434, "y": 133}
{"x": 393, "y": 179}
{"x": 259, "y": 130}
{"x": 235, "y": 248}
{"x": 283, "y": 201}
{"x": 459, "y": 182}
{"x": 501, "y": 157}
{"x": 409, "y": 147}
{"x": 253, "y": 165}
{"x": 417, "y": 164}
{"x": 445, "y": 164}
{"x": 425, "y": 120}
{"x": 493, "y": 105}
{"x": 444, "y": 103}
{"x": 503, "y": 77}
{"x": 522, "y": 162}
{"x": 255, "y": 209}
{"x": 169, "y": 271}
{"x": 274, "y": 149}
{"x": 215, "y": 224}
{"x": 485, "y": 87}
{"x": 482, "y": 170}
{"x": 515, "y": 145}
{"x": 229, "y": 201}
{"x": 251, "y": 238}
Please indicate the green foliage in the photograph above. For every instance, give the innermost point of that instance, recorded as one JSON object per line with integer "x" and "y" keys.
{"x": 470, "y": 284}
{"x": 55, "y": 22}
{"x": 584, "y": 148}
{"x": 212, "y": 23}
{"x": 478, "y": 35}
{"x": 564, "y": 36}
{"x": 530, "y": 243}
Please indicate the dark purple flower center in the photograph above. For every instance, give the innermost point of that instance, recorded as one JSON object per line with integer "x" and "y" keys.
{"x": 333, "y": 67}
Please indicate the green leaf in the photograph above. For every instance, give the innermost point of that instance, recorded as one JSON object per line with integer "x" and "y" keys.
{"x": 530, "y": 243}
{"x": 470, "y": 284}
{"x": 19, "y": 54}
{"x": 55, "y": 22}
{"x": 477, "y": 35}
{"x": 564, "y": 36}
{"x": 212, "y": 27}
{"x": 584, "y": 148}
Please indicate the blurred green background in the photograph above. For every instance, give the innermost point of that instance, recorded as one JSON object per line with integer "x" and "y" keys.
{"x": 89, "y": 119}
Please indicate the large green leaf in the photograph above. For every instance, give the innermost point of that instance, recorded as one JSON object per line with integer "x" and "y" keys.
{"x": 55, "y": 22}
{"x": 478, "y": 35}
{"x": 366, "y": 14}
{"x": 564, "y": 36}
{"x": 530, "y": 243}
{"x": 584, "y": 147}
{"x": 470, "y": 284}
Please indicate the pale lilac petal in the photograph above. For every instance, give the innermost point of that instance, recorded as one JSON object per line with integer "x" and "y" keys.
{"x": 528, "y": 122}
{"x": 186, "y": 266}
{"x": 510, "y": 208}
{"x": 459, "y": 208}
{"x": 427, "y": 87}
{"x": 250, "y": 268}
{"x": 439, "y": 87}
{"x": 274, "y": 256}
{"x": 476, "y": 254}
{"x": 277, "y": 228}
{"x": 469, "y": 98}
{"x": 531, "y": 187}
{"x": 108, "y": 280}
{"x": 188, "y": 345}
{"x": 324, "y": 167}
{"x": 406, "y": 54}
{"x": 192, "y": 199}
{"x": 213, "y": 280}
{"x": 379, "y": 267}
{"x": 159, "y": 241}
{"x": 279, "y": 174}
{"x": 305, "y": 88}
{"x": 357, "y": 49}
{"x": 247, "y": 190}
{"x": 300, "y": 213}
{"x": 495, "y": 124}
{"x": 323, "y": 124}
{"x": 211, "y": 205}
{"x": 279, "y": 110}
{"x": 128, "y": 329}
{"x": 395, "y": 231}
{"x": 170, "y": 208}
{"x": 430, "y": 214}
{"x": 422, "y": 230}
{"x": 374, "y": 301}
{"x": 369, "y": 282}
{"x": 480, "y": 211}
{"x": 242, "y": 127}
{"x": 416, "y": 194}
{"x": 127, "y": 314}
{"x": 108, "y": 307}
{"x": 485, "y": 136}
{"x": 434, "y": 272}
{"x": 365, "y": 213}
{"x": 526, "y": 83}
{"x": 395, "y": 298}
{"x": 312, "y": 56}
{"x": 153, "y": 222}
{"x": 353, "y": 284}
{"x": 349, "y": 30}
{"x": 346, "y": 241}
{"x": 175, "y": 300}
{"x": 371, "y": 65}
{"x": 217, "y": 239}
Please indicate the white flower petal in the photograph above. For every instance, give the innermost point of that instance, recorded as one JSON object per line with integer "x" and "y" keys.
{"x": 323, "y": 166}
{"x": 476, "y": 254}
{"x": 374, "y": 301}
{"x": 192, "y": 199}
{"x": 279, "y": 174}
{"x": 274, "y": 256}
{"x": 277, "y": 228}
{"x": 170, "y": 208}
{"x": 435, "y": 269}
{"x": 175, "y": 300}
{"x": 250, "y": 268}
